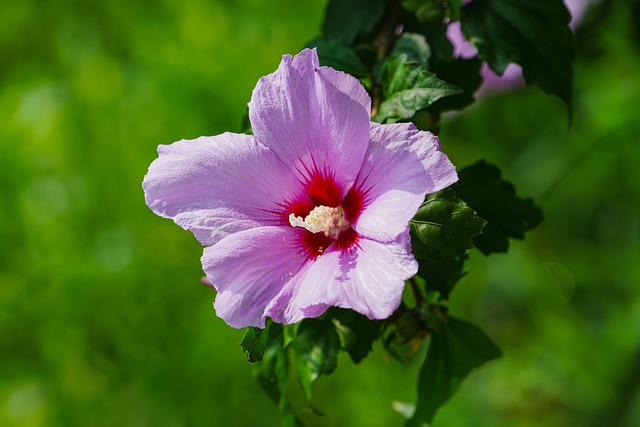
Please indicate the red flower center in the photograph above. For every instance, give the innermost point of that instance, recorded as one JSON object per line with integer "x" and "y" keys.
{"x": 324, "y": 217}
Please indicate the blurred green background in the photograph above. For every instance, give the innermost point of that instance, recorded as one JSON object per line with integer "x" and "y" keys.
{"x": 103, "y": 321}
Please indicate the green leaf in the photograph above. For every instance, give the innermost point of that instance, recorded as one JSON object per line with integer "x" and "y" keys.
{"x": 435, "y": 34}
{"x": 407, "y": 88}
{"x": 399, "y": 74}
{"x": 442, "y": 276}
{"x": 317, "y": 345}
{"x": 454, "y": 8}
{"x": 425, "y": 10}
{"x": 453, "y": 354}
{"x": 255, "y": 340}
{"x": 272, "y": 373}
{"x": 265, "y": 373}
{"x": 532, "y": 33}
{"x": 443, "y": 227}
{"x": 463, "y": 73}
{"x": 416, "y": 48}
{"x": 357, "y": 333}
{"x": 344, "y": 20}
{"x": 494, "y": 199}
{"x": 334, "y": 54}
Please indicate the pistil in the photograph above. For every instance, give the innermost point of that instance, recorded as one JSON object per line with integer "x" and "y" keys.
{"x": 322, "y": 219}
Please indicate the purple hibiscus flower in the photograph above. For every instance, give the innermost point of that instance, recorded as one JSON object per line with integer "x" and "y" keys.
{"x": 312, "y": 211}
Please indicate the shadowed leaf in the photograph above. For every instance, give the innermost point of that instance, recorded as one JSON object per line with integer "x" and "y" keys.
{"x": 344, "y": 20}
{"x": 532, "y": 33}
{"x": 317, "y": 345}
{"x": 334, "y": 54}
{"x": 494, "y": 199}
{"x": 443, "y": 227}
{"x": 416, "y": 48}
{"x": 453, "y": 353}
{"x": 357, "y": 332}
{"x": 255, "y": 340}
{"x": 442, "y": 276}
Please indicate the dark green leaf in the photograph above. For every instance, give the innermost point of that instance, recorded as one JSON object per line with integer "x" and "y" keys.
{"x": 255, "y": 340}
{"x": 435, "y": 34}
{"x": 265, "y": 373}
{"x": 245, "y": 123}
{"x": 532, "y": 33}
{"x": 357, "y": 333}
{"x": 396, "y": 344}
{"x": 344, "y": 20}
{"x": 425, "y": 10}
{"x": 463, "y": 73}
{"x": 454, "y": 8}
{"x": 494, "y": 199}
{"x": 443, "y": 227}
{"x": 407, "y": 88}
{"x": 453, "y": 354}
{"x": 334, "y": 54}
{"x": 272, "y": 373}
{"x": 317, "y": 345}
{"x": 415, "y": 47}
{"x": 442, "y": 276}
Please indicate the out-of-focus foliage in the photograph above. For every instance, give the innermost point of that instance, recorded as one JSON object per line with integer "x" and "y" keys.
{"x": 103, "y": 321}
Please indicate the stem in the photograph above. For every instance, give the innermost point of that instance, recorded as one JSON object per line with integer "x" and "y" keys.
{"x": 383, "y": 43}
{"x": 417, "y": 295}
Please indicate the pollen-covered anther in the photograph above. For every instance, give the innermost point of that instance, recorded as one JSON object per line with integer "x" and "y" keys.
{"x": 322, "y": 219}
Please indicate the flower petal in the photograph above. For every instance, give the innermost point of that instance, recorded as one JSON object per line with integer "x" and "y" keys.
{"x": 219, "y": 185}
{"x": 368, "y": 278}
{"x": 249, "y": 269}
{"x": 402, "y": 165}
{"x": 315, "y": 119}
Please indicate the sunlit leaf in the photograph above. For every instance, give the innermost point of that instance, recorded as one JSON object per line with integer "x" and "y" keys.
{"x": 407, "y": 88}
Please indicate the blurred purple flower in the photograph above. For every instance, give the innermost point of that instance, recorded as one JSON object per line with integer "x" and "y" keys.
{"x": 311, "y": 211}
{"x": 512, "y": 76}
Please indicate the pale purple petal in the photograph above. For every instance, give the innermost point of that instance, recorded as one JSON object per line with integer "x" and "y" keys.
{"x": 249, "y": 269}
{"x": 281, "y": 310}
{"x": 402, "y": 165}
{"x": 347, "y": 84}
{"x": 368, "y": 278}
{"x": 219, "y": 185}
{"x": 461, "y": 47}
{"x": 577, "y": 8}
{"x": 511, "y": 78}
{"x": 315, "y": 119}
